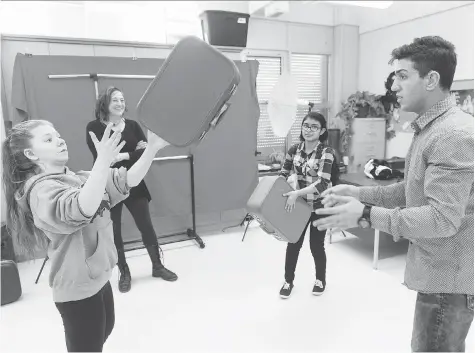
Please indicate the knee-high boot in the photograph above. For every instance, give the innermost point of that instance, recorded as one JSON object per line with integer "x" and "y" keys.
{"x": 158, "y": 270}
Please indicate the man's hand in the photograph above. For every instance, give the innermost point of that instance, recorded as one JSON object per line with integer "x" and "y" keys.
{"x": 343, "y": 213}
{"x": 291, "y": 198}
{"x": 343, "y": 190}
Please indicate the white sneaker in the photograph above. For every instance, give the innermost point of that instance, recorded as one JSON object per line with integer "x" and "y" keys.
{"x": 286, "y": 290}
{"x": 318, "y": 288}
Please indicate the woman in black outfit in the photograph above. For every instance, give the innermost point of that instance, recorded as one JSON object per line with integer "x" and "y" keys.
{"x": 111, "y": 106}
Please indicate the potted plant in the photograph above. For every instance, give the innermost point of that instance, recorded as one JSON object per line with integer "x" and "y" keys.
{"x": 362, "y": 105}
{"x": 276, "y": 159}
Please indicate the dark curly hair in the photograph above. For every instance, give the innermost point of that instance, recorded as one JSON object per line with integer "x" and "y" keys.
{"x": 390, "y": 97}
{"x": 431, "y": 53}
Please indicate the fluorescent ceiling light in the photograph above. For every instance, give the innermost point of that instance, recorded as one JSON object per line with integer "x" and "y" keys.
{"x": 371, "y": 4}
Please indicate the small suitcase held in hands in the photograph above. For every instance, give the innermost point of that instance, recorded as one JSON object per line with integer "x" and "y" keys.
{"x": 267, "y": 205}
{"x": 190, "y": 93}
{"x": 11, "y": 286}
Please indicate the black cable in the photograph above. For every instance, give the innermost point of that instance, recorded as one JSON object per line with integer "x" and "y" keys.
{"x": 247, "y": 218}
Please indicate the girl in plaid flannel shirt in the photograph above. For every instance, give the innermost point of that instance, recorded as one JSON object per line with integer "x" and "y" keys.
{"x": 311, "y": 160}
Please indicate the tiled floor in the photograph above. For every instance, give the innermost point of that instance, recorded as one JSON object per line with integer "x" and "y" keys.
{"x": 226, "y": 300}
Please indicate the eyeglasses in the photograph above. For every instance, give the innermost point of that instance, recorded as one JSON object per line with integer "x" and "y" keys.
{"x": 311, "y": 127}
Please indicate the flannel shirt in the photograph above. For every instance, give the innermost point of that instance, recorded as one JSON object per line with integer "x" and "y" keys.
{"x": 312, "y": 169}
{"x": 433, "y": 206}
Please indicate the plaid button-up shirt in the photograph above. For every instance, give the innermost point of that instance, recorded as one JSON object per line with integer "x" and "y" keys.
{"x": 312, "y": 169}
{"x": 433, "y": 206}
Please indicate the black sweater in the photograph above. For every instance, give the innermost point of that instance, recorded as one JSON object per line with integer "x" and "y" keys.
{"x": 132, "y": 134}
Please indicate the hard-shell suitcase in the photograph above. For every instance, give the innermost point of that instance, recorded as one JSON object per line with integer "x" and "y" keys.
{"x": 11, "y": 286}
{"x": 267, "y": 205}
{"x": 190, "y": 92}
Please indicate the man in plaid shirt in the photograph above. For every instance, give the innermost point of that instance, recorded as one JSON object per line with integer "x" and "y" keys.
{"x": 433, "y": 206}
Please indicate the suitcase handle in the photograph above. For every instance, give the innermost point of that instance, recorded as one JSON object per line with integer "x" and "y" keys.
{"x": 273, "y": 233}
{"x": 262, "y": 225}
{"x": 278, "y": 237}
{"x": 266, "y": 230}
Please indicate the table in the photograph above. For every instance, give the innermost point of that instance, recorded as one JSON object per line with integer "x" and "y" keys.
{"x": 360, "y": 179}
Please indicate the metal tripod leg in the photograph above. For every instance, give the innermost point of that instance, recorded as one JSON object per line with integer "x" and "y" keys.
{"x": 42, "y": 266}
{"x": 247, "y": 226}
{"x": 331, "y": 234}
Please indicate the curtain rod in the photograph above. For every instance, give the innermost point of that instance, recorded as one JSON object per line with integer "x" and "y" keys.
{"x": 64, "y": 40}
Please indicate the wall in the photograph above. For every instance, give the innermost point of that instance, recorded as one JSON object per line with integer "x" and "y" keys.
{"x": 401, "y": 11}
{"x": 2, "y": 138}
{"x": 344, "y": 68}
{"x": 155, "y": 22}
{"x": 455, "y": 25}
{"x": 265, "y": 37}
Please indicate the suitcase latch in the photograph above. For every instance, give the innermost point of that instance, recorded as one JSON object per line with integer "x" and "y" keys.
{"x": 234, "y": 90}
{"x": 223, "y": 110}
{"x": 203, "y": 135}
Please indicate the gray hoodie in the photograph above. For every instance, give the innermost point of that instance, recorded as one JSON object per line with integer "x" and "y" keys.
{"x": 81, "y": 247}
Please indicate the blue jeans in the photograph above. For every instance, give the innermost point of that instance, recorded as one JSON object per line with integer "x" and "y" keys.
{"x": 441, "y": 322}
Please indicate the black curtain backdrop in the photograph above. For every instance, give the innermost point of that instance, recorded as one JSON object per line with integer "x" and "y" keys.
{"x": 225, "y": 165}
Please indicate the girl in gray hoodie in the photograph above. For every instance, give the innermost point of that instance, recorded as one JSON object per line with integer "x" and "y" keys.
{"x": 52, "y": 207}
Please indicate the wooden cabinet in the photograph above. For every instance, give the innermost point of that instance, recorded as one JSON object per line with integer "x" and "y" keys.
{"x": 368, "y": 141}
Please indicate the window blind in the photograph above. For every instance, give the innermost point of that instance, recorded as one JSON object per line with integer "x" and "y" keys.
{"x": 310, "y": 73}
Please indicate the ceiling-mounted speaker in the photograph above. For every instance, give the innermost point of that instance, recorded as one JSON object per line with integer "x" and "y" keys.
{"x": 276, "y": 9}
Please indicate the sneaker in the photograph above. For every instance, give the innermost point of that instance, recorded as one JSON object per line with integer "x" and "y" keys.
{"x": 286, "y": 290}
{"x": 318, "y": 288}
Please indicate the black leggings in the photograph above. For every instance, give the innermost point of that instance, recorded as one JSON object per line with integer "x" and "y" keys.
{"x": 138, "y": 208}
{"x": 317, "y": 246}
{"x": 88, "y": 322}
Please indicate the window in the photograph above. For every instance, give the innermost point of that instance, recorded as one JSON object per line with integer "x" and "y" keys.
{"x": 267, "y": 77}
{"x": 310, "y": 72}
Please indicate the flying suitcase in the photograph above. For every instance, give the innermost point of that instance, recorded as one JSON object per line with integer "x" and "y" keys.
{"x": 189, "y": 94}
{"x": 11, "y": 286}
{"x": 267, "y": 205}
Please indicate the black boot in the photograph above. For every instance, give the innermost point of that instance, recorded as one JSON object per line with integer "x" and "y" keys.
{"x": 158, "y": 270}
{"x": 125, "y": 280}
